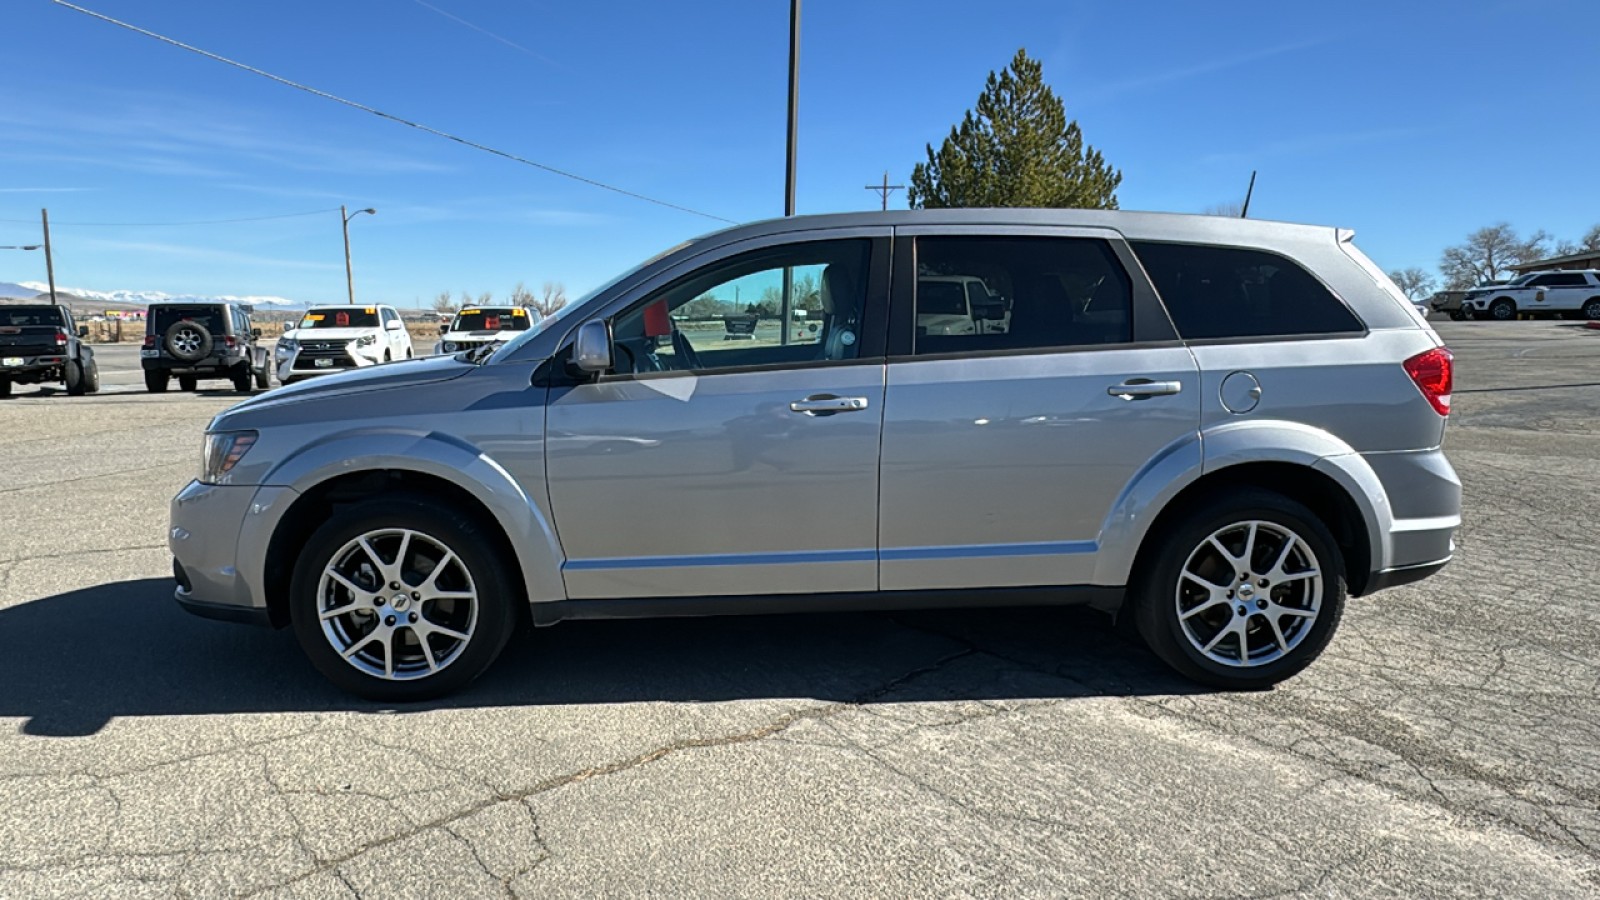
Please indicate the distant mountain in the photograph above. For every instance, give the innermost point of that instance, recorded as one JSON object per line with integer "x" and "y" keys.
{"x": 29, "y": 289}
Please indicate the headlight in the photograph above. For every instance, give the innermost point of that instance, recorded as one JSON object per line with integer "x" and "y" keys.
{"x": 287, "y": 347}
{"x": 447, "y": 347}
{"x": 223, "y": 451}
{"x": 366, "y": 340}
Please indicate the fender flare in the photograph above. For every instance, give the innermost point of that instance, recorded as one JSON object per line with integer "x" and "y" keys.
{"x": 527, "y": 527}
{"x": 1234, "y": 443}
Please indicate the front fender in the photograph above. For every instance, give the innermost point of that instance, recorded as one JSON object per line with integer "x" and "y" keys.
{"x": 441, "y": 456}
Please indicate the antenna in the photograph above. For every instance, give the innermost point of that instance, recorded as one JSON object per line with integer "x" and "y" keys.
{"x": 1245, "y": 212}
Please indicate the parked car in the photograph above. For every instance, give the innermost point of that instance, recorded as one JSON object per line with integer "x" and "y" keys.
{"x": 39, "y": 343}
{"x": 476, "y": 326}
{"x": 1216, "y": 429}
{"x": 191, "y": 341}
{"x": 1571, "y": 294}
{"x": 332, "y": 339}
{"x": 1449, "y": 303}
{"x": 958, "y": 304}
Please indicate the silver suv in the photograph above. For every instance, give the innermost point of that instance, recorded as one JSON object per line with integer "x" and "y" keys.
{"x": 1215, "y": 428}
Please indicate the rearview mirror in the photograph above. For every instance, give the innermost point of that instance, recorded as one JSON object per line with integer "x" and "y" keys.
{"x": 591, "y": 350}
{"x": 393, "y": 325}
{"x": 990, "y": 312}
{"x": 83, "y": 331}
{"x": 255, "y": 332}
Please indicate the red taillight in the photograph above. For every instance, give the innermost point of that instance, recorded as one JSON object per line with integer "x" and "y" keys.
{"x": 228, "y": 340}
{"x": 1431, "y": 371}
{"x": 149, "y": 340}
{"x": 61, "y": 337}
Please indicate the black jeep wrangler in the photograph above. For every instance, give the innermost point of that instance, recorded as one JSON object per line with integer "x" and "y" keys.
{"x": 202, "y": 340}
{"x": 42, "y": 343}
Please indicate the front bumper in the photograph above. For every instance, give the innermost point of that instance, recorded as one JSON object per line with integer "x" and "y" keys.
{"x": 302, "y": 362}
{"x": 218, "y": 535}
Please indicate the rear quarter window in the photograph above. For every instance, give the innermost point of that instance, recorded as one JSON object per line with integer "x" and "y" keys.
{"x": 1218, "y": 293}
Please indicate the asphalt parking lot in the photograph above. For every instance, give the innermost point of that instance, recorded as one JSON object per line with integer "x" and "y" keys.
{"x": 1448, "y": 743}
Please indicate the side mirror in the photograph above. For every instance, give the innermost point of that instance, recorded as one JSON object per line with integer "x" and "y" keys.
{"x": 83, "y": 331}
{"x": 393, "y": 325}
{"x": 989, "y": 312}
{"x": 255, "y": 332}
{"x": 591, "y": 350}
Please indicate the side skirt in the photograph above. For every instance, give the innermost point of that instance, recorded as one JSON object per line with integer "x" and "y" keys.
{"x": 1107, "y": 599}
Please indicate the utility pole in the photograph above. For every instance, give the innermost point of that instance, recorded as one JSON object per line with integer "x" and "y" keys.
{"x": 794, "y": 103}
{"x": 49, "y": 262}
{"x": 349, "y": 280}
{"x": 886, "y": 189}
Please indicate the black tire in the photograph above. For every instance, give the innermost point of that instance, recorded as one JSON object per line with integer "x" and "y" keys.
{"x": 241, "y": 378}
{"x": 156, "y": 382}
{"x": 263, "y": 378}
{"x": 1591, "y": 309}
{"x": 1503, "y": 310}
{"x": 72, "y": 377}
{"x": 5, "y": 387}
{"x": 188, "y": 341}
{"x": 1161, "y": 589}
{"x": 387, "y": 357}
{"x": 187, "y": 382}
{"x": 474, "y": 545}
{"x": 1457, "y": 315}
{"x": 91, "y": 379}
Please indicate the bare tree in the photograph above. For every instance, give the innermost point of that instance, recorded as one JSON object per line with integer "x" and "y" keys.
{"x": 1233, "y": 209}
{"x": 486, "y": 298}
{"x": 1591, "y": 239}
{"x": 1413, "y": 281}
{"x": 443, "y": 303}
{"x": 1488, "y": 255}
{"x": 521, "y": 296}
{"x": 553, "y": 296}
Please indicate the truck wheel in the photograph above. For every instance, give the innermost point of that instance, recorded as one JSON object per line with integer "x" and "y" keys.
{"x": 5, "y": 387}
{"x": 1457, "y": 315}
{"x": 1591, "y": 308}
{"x": 1246, "y": 591}
{"x": 1503, "y": 310}
{"x": 91, "y": 378}
{"x": 156, "y": 382}
{"x": 402, "y": 599}
{"x": 72, "y": 377}
{"x": 241, "y": 378}
{"x": 187, "y": 382}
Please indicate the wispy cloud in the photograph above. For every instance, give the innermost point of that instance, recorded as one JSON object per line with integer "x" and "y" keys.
{"x": 204, "y": 254}
{"x": 1197, "y": 69}
{"x": 487, "y": 33}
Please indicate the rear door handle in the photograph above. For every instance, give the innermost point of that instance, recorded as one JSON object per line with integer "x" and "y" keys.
{"x": 1141, "y": 388}
{"x": 828, "y": 404}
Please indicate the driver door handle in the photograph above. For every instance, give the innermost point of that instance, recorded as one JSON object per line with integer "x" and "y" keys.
{"x": 828, "y": 404}
{"x": 1140, "y": 388}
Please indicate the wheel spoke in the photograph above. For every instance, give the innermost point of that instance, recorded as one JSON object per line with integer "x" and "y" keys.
{"x": 451, "y": 595}
{"x": 1250, "y": 547}
{"x": 388, "y": 654}
{"x": 346, "y": 583}
{"x": 1217, "y": 639}
{"x": 1224, "y": 551}
{"x": 1276, "y": 572}
{"x": 400, "y": 557}
{"x": 1277, "y": 634}
{"x": 337, "y": 611}
{"x": 377, "y": 561}
{"x": 1213, "y": 603}
{"x": 431, "y": 583}
{"x": 427, "y": 651}
{"x": 1278, "y": 609}
{"x": 1297, "y": 576}
{"x": 1210, "y": 586}
{"x": 436, "y": 628}
{"x": 359, "y": 645}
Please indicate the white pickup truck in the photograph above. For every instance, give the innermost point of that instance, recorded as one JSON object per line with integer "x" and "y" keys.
{"x": 1570, "y": 294}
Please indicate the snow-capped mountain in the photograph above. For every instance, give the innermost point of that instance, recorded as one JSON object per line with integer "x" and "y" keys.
{"x": 141, "y": 298}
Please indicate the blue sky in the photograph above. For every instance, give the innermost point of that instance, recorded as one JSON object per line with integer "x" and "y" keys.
{"x": 1413, "y": 123}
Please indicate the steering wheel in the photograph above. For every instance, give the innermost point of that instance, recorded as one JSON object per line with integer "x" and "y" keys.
{"x": 684, "y": 350}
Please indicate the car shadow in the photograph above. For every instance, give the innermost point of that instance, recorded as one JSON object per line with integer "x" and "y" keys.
{"x": 71, "y": 663}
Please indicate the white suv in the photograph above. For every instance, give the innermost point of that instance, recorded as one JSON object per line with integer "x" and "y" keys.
{"x": 478, "y": 325}
{"x": 1574, "y": 294}
{"x": 336, "y": 338}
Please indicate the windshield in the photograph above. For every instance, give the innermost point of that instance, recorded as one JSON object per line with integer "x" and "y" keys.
{"x": 553, "y": 319}
{"x": 509, "y": 319}
{"x": 30, "y": 315}
{"x": 341, "y": 317}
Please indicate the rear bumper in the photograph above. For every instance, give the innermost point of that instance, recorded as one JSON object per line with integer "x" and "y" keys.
{"x": 30, "y": 366}
{"x": 1424, "y": 495}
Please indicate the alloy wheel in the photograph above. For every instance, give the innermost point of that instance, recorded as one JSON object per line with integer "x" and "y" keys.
{"x": 1249, "y": 594}
{"x": 397, "y": 604}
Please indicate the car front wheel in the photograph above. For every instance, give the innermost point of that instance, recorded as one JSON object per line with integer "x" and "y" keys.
{"x": 1503, "y": 310}
{"x": 1591, "y": 309}
{"x": 1247, "y": 591}
{"x": 401, "y": 599}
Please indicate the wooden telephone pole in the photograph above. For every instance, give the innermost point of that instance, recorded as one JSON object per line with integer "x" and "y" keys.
{"x": 49, "y": 262}
{"x": 886, "y": 189}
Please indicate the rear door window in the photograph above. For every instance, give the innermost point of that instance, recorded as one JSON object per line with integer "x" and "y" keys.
{"x": 1221, "y": 293}
{"x": 164, "y": 317}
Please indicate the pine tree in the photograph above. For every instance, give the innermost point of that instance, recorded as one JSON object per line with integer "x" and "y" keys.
{"x": 1015, "y": 149}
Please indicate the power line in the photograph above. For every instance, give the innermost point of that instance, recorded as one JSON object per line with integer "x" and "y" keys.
{"x": 383, "y": 115}
{"x": 314, "y": 212}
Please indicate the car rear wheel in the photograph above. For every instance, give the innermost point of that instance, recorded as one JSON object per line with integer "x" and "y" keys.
{"x": 5, "y": 387}
{"x": 1591, "y": 308}
{"x": 187, "y": 382}
{"x": 91, "y": 378}
{"x": 1247, "y": 591}
{"x": 1457, "y": 315}
{"x": 72, "y": 377}
{"x": 241, "y": 378}
{"x": 156, "y": 382}
{"x": 401, "y": 599}
{"x": 1503, "y": 310}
